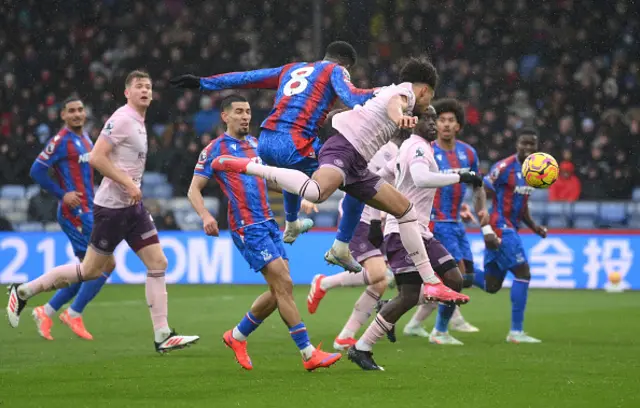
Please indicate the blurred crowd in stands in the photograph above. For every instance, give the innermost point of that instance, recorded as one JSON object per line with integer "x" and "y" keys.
{"x": 569, "y": 68}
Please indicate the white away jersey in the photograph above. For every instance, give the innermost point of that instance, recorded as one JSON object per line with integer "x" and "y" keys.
{"x": 414, "y": 149}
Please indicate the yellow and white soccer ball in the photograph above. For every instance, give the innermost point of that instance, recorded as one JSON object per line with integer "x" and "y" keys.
{"x": 540, "y": 170}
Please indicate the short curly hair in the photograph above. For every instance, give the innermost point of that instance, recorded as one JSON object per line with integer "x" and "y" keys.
{"x": 450, "y": 105}
{"x": 418, "y": 70}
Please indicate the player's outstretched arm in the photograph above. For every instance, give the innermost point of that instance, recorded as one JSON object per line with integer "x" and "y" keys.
{"x": 259, "y": 79}
{"x": 347, "y": 93}
{"x": 210, "y": 225}
{"x": 100, "y": 160}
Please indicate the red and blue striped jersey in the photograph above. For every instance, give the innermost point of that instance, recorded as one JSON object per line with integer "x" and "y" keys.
{"x": 68, "y": 155}
{"x": 248, "y": 202}
{"x": 511, "y": 193}
{"x": 463, "y": 157}
{"x": 306, "y": 92}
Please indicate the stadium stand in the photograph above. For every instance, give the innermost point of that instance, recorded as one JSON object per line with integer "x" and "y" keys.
{"x": 513, "y": 63}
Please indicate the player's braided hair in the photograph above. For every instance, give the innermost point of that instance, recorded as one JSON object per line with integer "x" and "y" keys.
{"x": 450, "y": 105}
{"x": 419, "y": 70}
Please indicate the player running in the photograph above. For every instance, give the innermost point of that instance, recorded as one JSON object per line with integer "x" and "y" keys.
{"x": 416, "y": 175}
{"x": 306, "y": 91}
{"x": 345, "y": 156}
{"x": 369, "y": 255}
{"x": 120, "y": 155}
{"x": 510, "y": 195}
{"x": 452, "y": 156}
{"x": 256, "y": 235}
{"x": 67, "y": 154}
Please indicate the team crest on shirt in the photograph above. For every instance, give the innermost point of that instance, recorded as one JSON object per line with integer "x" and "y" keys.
{"x": 439, "y": 157}
{"x": 234, "y": 146}
{"x": 108, "y": 128}
{"x": 253, "y": 143}
{"x": 462, "y": 156}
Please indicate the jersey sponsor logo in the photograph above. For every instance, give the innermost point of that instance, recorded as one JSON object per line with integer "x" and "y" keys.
{"x": 524, "y": 190}
{"x": 83, "y": 158}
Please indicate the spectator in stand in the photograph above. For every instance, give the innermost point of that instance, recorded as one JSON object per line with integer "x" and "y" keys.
{"x": 567, "y": 187}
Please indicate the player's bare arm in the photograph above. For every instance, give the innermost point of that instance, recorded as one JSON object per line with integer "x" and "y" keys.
{"x": 529, "y": 222}
{"x": 491, "y": 239}
{"x": 99, "y": 160}
{"x": 210, "y": 225}
{"x": 395, "y": 110}
{"x": 480, "y": 204}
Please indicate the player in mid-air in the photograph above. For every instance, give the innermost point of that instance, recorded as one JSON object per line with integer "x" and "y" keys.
{"x": 369, "y": 255}
{"x": 67, "y": 154}
{"x": 289, "y": 137}
{"x": 256, "y": 235}
{"x": 415, "y": 173}
{"x": 120, "y": 155}
{"x": 510, "y": 194}
{"x": 344, "y": 159}
{"x": 452, "y": 156}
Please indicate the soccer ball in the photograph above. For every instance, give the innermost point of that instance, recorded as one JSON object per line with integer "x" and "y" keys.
{"x": 540, "y": 170}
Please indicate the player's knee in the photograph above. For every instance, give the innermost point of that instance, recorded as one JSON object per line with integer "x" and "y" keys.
{"x": 280, "y": 283}
{"x": 492, "y": 286}
{"x": 522, "y": 273}
{"x": 408, "y": 215}
{"x": 379, "y": 287}
{"x": 110, "y": 265}
{"x": 311, "y": 191}
{"x": 453, "y": 279}
{"x": 410, "y": 295}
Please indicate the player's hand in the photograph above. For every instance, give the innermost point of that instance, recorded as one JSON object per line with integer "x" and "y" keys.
{"x": 210, "y": 226}
{"x": 470, "y": 177}
{"x": 308, "y": 207}
{"x": 466, "y": 214}
{"x": 134, "y": 192}
{"x": 492, "y": 241}
{"x": 72, "y": 199}
{"x": 484, "y": 216}
{"x": 540, "y": 230}
{"x": 186, "y": 81}
{"x": 375, "y": 235}
{"x": 407, "y": 122}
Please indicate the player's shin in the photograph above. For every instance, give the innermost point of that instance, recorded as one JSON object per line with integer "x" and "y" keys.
{"x": 263, "y": 306}
{"x": 361, "y": 312}
{"x": 351, "y": 212}
{"x": 59, "y": 277}
{"x": 445, "y": 311}
{"x": 61, "y": 297}
{"x": 157, "y": 300}
{"x": 412, "y": 242}
{"x": 519, "y": 294}
{"x": 88, "y": 291}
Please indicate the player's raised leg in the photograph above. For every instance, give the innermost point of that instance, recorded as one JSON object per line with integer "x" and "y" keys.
{"x": 59, "y": 277}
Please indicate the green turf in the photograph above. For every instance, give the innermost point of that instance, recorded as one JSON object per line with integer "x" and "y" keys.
{"x": 590, "y": 357}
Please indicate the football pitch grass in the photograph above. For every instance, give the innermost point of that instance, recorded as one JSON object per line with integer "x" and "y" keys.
{"x": 590, "y": 356}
